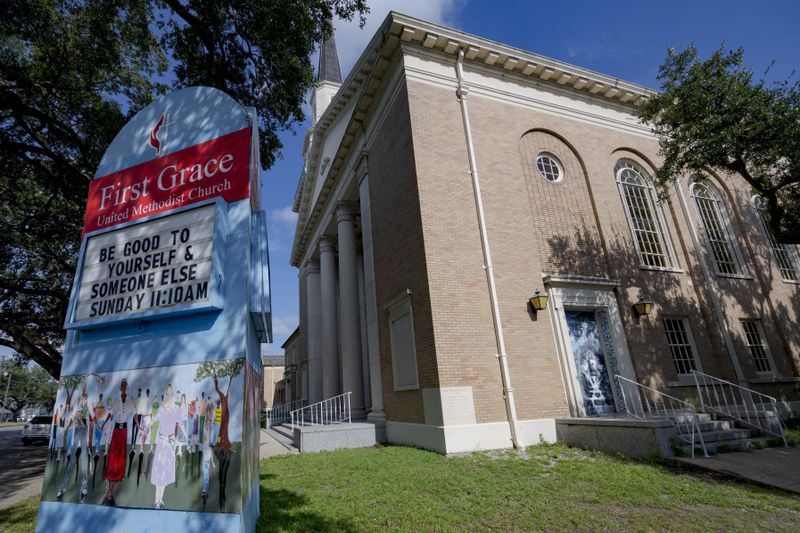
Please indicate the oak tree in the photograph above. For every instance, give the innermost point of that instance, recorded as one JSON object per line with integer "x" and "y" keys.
{"x": 72, "y": 72}
{"x": 714, "y": 114}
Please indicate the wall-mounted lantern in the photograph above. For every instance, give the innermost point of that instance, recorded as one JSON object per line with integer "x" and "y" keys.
{"x": 538, "y": 301}
{"x": 643, "y": 306}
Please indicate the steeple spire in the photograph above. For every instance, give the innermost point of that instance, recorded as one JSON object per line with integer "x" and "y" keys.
{"x": 329, "y": 62}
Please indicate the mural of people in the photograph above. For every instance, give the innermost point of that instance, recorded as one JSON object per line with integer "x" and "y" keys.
{"x": 176, "y": 470}
{"x": 123, "y": 409}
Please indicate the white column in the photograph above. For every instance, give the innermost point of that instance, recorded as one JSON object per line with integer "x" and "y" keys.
{"x": 330, "y": 334}
{"x": 352, "y": 372}
{"x": 376, "y": 386}
{"x": 362, "y": 323}
{"x": 314, "y": 332}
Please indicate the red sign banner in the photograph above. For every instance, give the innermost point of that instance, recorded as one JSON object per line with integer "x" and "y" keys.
{"x": 219, "y": 167}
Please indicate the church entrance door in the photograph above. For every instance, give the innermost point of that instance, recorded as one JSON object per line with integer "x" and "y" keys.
{"x": 591, "y": 368}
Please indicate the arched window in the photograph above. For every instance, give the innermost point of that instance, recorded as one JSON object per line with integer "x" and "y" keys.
{"x": 785, "y": 255}
{"x": 716, "y": 226}
{"x": 644, "y": 215}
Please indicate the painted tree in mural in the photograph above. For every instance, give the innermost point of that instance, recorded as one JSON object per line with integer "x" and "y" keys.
{"x": 217, "y": 371}
{"x": 72, "y": 72}
{"x": 71, "y": 383}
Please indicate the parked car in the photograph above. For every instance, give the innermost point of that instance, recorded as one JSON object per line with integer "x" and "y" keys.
{"x": 37, "y": 429}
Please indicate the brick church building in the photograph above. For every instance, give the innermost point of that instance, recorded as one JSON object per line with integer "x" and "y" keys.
{"x": 416, "y": 287}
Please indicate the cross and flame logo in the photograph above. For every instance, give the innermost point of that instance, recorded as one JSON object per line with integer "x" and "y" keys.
{"x": 158, "y": 134}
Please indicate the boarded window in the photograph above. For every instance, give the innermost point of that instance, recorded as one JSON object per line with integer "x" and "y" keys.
{"x": 404, "y": 353}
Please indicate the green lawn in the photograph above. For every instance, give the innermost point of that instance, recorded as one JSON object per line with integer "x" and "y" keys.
{"x": 554, "y": 488}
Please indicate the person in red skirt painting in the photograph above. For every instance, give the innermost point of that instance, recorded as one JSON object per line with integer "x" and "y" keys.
{"x": 123, "y": 409}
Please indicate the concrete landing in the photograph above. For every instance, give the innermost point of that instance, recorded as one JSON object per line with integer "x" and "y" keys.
{"x": 772, "y": 467}
{"x": 630, "y": 437}
{"x": 317, "y": 438}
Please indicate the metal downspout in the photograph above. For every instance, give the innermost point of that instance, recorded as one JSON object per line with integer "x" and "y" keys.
{"x": 508, "y": 391}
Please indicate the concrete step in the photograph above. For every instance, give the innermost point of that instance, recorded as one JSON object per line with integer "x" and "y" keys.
{"x": 716, "y": 425}
{"x": 682, "y": 418}
{"x": 285, "y": 430}
{"x": 727, "y": 435}
{"x": 724, "y": 446}
{"x": 281, "y": 437}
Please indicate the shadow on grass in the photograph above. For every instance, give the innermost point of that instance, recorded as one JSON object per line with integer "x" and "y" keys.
{"x": 285, "y": 510}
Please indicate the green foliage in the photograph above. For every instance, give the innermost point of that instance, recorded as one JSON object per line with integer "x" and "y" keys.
{"x": 27, "y": 386}
{"x": 72, "y": 72}
{"x": 725, "y": 448}
{"x": 713, "y": 115}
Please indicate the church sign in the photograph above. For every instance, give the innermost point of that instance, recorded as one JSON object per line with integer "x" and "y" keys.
{"x": 161, "y": 265}
{"x": 218, "y": 167}
{"x": 156, "y": 422}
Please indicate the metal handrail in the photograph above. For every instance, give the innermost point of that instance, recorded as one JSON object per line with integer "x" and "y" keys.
{"x": 330, "y": 411}
{"x": 715, "y": 399}
{"x": 665, "y": 407}
{"x": 280, "y": 413}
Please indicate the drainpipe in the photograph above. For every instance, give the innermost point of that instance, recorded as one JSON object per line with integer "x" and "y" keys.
{"x": 508, "y": 391}
{"x": 714, "y": 292}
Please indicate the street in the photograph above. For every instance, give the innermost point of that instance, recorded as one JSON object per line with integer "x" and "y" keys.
{"x": 21, "y": 467}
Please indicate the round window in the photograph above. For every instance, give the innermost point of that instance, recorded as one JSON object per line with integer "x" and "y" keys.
{"x": 549, "y": 166}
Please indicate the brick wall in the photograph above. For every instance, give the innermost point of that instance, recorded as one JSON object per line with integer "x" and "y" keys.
{"x": 577, "y": 226}
{"x": 399, "y": 254}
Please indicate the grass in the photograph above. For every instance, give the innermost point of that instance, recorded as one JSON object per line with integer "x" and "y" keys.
{"x": 554, "y": 489}
{"x": 20, "y": 517}
{"x": 551, "y": 488}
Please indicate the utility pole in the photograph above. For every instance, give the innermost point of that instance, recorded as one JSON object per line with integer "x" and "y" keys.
{"x": 7, "y": 374}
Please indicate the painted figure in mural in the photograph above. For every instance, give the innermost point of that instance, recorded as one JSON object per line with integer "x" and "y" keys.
{"x": 217, "y": 422}
{"x": 98, "y": 433}
{"x": 100, "y": 420}
{"x": 79, "y": 422}
{"x": 163, "y": 474}
{"x": 202, "y": 413}
{"x": 195, "y": 421}
{"x": 146, "y": 422}
{"x": 153, "y": 420}
{"x": 121, "y": 412}
{"x": 208, "y": 455}
{"x": 60, "y": 434}
{"x": 183, "y": 436}
{"x": 52, "y": 444}
{"x": 138, "y": 418}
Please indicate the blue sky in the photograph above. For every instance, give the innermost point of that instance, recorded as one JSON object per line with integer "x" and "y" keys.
{"x": 623, "y": 39}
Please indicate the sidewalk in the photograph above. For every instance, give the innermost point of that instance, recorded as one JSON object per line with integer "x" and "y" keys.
{"x": 772, "y": 467}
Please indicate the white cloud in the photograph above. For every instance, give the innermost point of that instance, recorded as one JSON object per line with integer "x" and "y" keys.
{"x": 284, "y": 325}
{"x": 351, "y": 40}
{"x": 284, "y": 214}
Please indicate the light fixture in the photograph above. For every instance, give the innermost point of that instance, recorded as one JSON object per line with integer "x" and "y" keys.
{"x": 643, "y": 306}
{"x": 538, "y": 301}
